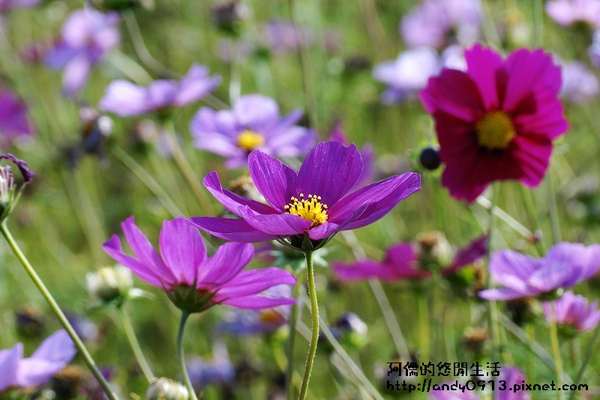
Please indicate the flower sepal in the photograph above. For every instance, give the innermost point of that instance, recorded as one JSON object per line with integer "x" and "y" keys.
{"x": 190, "y": 299}
{"x": 9, "y": 192}
{"x": 552, "y": 295}
{"x": 304, "y": 243}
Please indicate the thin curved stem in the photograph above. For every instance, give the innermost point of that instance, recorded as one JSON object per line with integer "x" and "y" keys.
{"x": 314, "y": 309}
{"x": 558, "y": 364}
{"x": 135, "y": 345}
{"x": 87, "y": 358}
{"x": 180, "y": 355}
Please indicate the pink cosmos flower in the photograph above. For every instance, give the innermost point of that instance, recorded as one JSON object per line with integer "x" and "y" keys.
{"x": 574, "y": 311}
{"x": 568, "y": 12}
{"x": 565, "y": 265}
{"x": 52, "y": 356}
{"x": 193, "y": 281}
{"x": 8, "y": 5}
{"x": 127, "y": 99}
{"x": 401, "y": 261}
{"x": 497, "y": 120}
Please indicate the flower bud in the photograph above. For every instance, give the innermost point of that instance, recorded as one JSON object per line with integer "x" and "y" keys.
{"x": 109, "y": 283}
{"x": 229, "y": 15}
{"x": 430, "y": 158}
{"x": 9, "y": 196}
{"x": 433, "y": 250}
{"x": 166, "y": 389}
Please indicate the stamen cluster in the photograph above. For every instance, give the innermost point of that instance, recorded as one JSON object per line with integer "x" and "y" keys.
{"x": 250, "y": 140}
{"x": 310, "y": 209}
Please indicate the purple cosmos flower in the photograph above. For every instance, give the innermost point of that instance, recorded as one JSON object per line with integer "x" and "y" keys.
{"x": 8, "y": 5}
{"x": 315, "y": 202}
{"x": 218, "y": 370}
{"x": 574, "y": 311}
{"x": 193, "y": 281}
{"x": 367, "y": 153}
{"x": 401, "y": 261}
{"x": 53, "y": 355}
{"x": 253, "y": 123}
{"x": 432, "y": 20}
{"x": 126, "y": 99}
{"x": 579, "y": 84}
{"x": 285, "y": 37}
{"x": 565, "y": 265}
{"x": 86, "y": 36}
{"x": 14, "y": 124}
{"x": 568, "y": 12}
{"x": 252, "y": 322}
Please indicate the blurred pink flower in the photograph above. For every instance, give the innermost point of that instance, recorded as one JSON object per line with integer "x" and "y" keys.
{"x": 568, "y": 12}
{"x": 14, "y": 124}
{"x": 497, "y": 120}
{"x": 573, "y": 310}
{"x": 8, "y": 5}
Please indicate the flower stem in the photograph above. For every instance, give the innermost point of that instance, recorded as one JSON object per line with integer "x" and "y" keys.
{"x": 135, "y": 346}
{"x": 184, "y": 373}
{"x": 558, "y": 365}
{"x": 586, "y": 359}
{"x": 87, "y": 358}
{"x": 314, "y": 309}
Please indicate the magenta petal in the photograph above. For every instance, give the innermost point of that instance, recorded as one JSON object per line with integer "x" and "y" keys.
{"x": 9, "y": 362}
{"x": 501, "y": 294}
{"x": 255, "y": 281}
{"x": 230, "y": 200}
{"x": 113, "y": 248}
{"x": 276, "y": 224}
{"x": 273, "y": 179}
{"x": 227, "y": 262}
{"x": 182, "y": 249}
{"x": 363, "y": 270}
{"x": 257, "y": 302}
{"x": 330, "y": 170}
{"x": 483, "y": 65}
{"x": 236, "y": 230}
{"x": 475, "y": 250}
{"x": 379, "y": 198}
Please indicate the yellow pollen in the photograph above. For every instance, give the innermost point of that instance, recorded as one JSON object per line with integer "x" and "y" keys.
{"x": 311, "y": 209}
{"x": 249, "y": 140}
{"x": 495, "y": 131}
{"x": 270, "y": 316}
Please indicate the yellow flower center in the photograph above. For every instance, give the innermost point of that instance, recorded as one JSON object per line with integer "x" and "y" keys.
{"x": 249, "y": 140}
{"x": 495, "y": 131}
{"x": 310, "y": 209}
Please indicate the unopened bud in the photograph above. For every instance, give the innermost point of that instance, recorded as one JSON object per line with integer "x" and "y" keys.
{"x": 430, "y": 158}
{"x": 433, "y": 250}
{"x": 109, "y": 283}
{"x": 166, "y": 389}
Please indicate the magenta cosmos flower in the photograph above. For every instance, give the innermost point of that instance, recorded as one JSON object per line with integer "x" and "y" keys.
{"x": 127, "y": 99}
{"x": 573, "y": 311}
{"x": 316, "y": 202}
{"x": 8, "y": 5}
{"x": 86, "y": 36}
{"x": 14, "y": 124}
{"x": 193, "y": 281}
{"x": 52, "y": 356}
{"x": 497, "y": 120}
{"x": 565, "y": 265}
{"x": 253, "y": 123}
{"x": 401, "y": 261}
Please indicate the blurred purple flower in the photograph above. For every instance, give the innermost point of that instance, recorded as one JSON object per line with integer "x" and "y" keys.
{"x": 14, "y": 124}
{"x": 193, "y": 281}
{"x": 8, "y": 5}
{"x": 253, "y": 123}
{"x": 565, "y": 265}
{"x": 367, "y": 154}
{"x": 594, "y": 50}
{"x": 86, "y": 36}
{"x": 314, "y": 203}
{"x": 252, "y": 322}
{"x": 432, "y": 21}
{"x": 574, "y": 311}
{"x": 401, "y": 261}
{"x": 285, "y": 37}
{"x": 126, "y": 99}
{"x": 579, "y": 84}
{"x": 568, "y": 12}
{"x": 53, "y": 355}
{"x": 219, "y": 370}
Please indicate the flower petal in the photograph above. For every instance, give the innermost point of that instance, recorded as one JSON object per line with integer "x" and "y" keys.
{"x": 256, "y": 302}
{"x": 475, "y": 250}
{"x": 57, "y": 348}
{"x": 124, "y": 99}
{"x": 236, "y": 230}
{"x": 276, "y": 224}
{"x": 255, "y": 281}
{"x": 330, "y": 170}
{"x": 273, "y": 179}
{"x": 502, "y": 294}
{"x": 232, "y": 201}
{"x": 229, "y": 259}
{"x": 513, "y": 269}
{"x": 9, "y": 362}
{"x": 141, "y": 270}
{"x": 483, "y": 65}
{"x": 182, "y": 249}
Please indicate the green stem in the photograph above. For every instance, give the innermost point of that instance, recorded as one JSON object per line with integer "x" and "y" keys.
{"x": 587, "y": 354}
{"x": 314, "y": 309}
{"x": 290, "y": 345}
{"x": 180, "y": 355}
{"x": 135, "y": 345}
{"x": 556, "y": 235}
{"x": 87, "y": 358}
{"x": 558, "y": 365}
{"x": 424, "y": 331}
